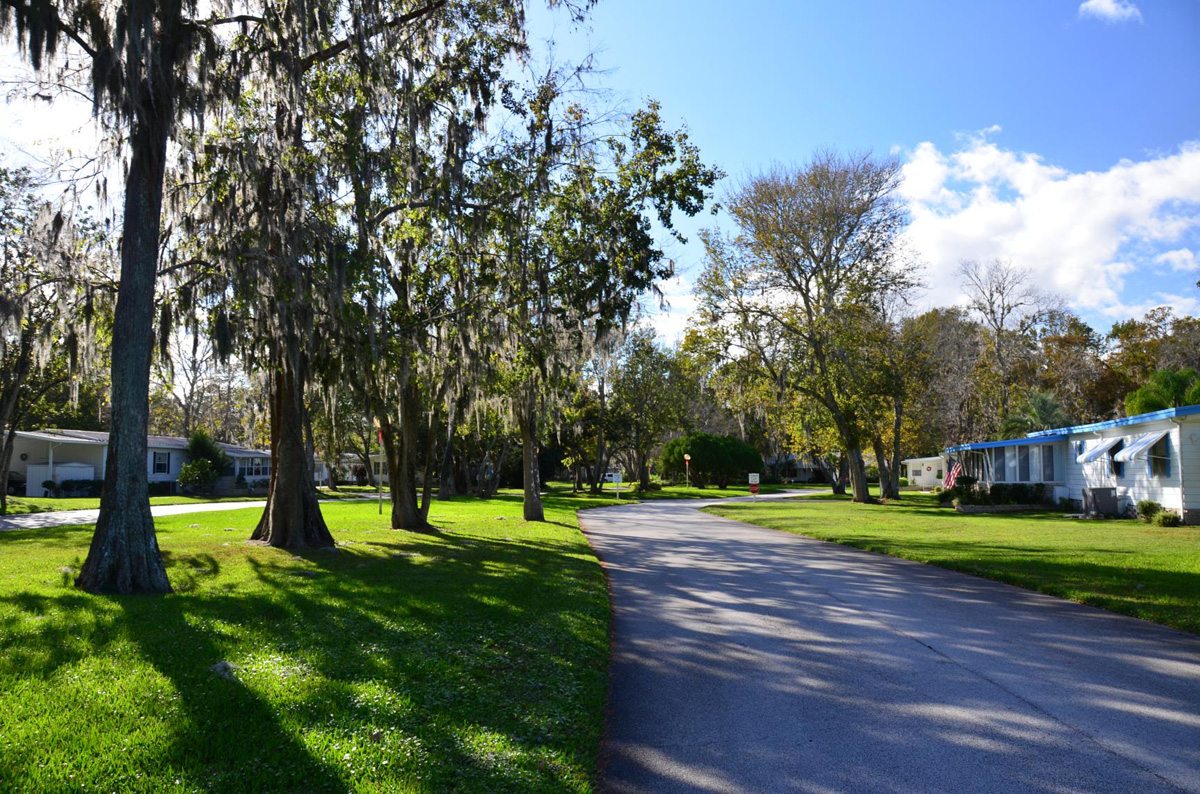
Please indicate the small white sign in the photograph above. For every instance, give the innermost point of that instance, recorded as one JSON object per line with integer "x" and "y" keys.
{"x": 754, "y": 479}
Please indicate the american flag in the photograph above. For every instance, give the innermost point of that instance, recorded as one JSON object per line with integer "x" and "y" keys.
{"x": 952, "y": 475}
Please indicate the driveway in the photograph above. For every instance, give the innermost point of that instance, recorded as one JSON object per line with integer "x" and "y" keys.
{"x": 746, "y": 659}
{"x": 61, "y": 518}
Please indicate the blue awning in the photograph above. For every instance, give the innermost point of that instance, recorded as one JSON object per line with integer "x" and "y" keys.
{"x": 1093, "y": 452}
{"x": 1139, "y": 445}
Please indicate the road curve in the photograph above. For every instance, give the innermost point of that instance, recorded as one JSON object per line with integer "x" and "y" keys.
{"x": 746, "y": 659}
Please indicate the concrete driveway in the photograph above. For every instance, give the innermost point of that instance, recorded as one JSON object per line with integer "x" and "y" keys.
{"x": 752, "y": 660}
{"x": 62, "y": 518}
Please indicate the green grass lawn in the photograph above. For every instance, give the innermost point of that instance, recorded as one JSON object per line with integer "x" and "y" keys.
{"x": 1137, "y": 569}
{"x": 474, "y": 659}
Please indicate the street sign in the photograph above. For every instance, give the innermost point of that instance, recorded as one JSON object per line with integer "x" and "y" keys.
{"x": 754, "y": 479}
{"x": 754, "y": 489}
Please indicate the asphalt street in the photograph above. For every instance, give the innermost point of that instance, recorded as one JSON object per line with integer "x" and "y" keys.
{"x": 750, "y": 660}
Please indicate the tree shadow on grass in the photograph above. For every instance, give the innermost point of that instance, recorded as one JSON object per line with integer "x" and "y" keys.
{"x": 477, "y": 665}
{"x": 216, "y": 733}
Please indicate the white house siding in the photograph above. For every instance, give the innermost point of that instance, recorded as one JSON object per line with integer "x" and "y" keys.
{"x": 923, "y": 472}
{"x": 175, "y": 462}
{"x": 1189, "y": 466}
{"x": 37, "y": 452}
{"x": 1136, "y": 483}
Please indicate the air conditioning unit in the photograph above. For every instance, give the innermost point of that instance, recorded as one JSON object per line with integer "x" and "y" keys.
{"x": 1100, "y": 501}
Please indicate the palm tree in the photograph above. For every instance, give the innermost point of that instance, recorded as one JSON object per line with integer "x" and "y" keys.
{"x": 1040, "y": 411}
{"x": 1165, "y": 389}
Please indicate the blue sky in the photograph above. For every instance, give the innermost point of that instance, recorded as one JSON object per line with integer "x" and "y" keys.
{"x": 1063, "y": 135}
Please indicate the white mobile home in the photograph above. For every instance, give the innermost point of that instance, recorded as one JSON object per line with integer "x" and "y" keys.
{"x": 925, "y": 472}
{"x": 1107, "y": 466}
{"x": 64, "y": 455}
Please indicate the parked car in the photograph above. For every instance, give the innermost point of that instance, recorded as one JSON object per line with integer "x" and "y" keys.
{"x": 16, "y": 484}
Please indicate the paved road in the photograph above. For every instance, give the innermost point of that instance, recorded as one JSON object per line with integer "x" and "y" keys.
{"x": 758, "y": 661}
{"x": 62, "y": 518}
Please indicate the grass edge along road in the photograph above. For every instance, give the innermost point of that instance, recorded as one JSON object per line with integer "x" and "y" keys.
{"x": 473, "y": 659}
{"x": 1124, "y": 566}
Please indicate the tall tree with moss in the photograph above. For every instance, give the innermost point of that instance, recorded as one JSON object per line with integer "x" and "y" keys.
{"x": 578, "y": 243}
{"x": 149, "y": 66}
{"x": 52, "y": 262}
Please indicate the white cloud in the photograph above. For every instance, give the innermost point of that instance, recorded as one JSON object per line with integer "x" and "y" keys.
{"x": 1093, "y": 237}
{"x": 1111, "y": 10}
{"x": 672, "y": 323}
{"x": 1181, "y": 259}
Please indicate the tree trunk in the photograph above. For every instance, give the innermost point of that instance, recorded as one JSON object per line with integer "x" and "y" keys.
{"x": 402, "y": 462}
{"x": 643, "y": 470}
{"x": 897, "y": 422}
{"x": 292, "y": 518}
{"x": 446, "y": 486}
{"x": 529, "y": 456}
{"x": 124, "y": 555}
{"x": 840, "y": 475}
{"x": 886, "y": 489}
{"x": 6, "y": 451}
{"x": 861, "y": 491}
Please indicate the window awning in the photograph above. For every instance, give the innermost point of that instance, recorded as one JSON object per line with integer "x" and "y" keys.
{"x": 1139, "y": 445}
{"x": 1102, "y": 446}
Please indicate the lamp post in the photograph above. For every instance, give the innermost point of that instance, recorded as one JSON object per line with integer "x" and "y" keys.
{"x": 687, "y": 465}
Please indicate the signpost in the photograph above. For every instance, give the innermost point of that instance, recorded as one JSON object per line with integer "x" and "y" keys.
{"x": 754, "y": 485}
{"x": 616, "y": 478}
{"x": 687, "y": 464}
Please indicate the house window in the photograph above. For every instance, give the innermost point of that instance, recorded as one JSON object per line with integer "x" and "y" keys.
{"x": 162, "y": 462}
{"x": 1160, "y": 458}
{"x": 1023, "y": 464}
{"x": 998, "y": 464}
{"x": 939, "y": 474}
{"x": 1115, "y": 467}
{"x": 1048, "y": 463}
{"x": 255, "y": 467}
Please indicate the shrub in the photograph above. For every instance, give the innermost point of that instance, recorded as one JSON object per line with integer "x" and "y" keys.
{"x": 1166, "y": 518}
{"x": 904, "y": 482}
{"x": 198, "y": 473}
{"x": 1147, "y": 509}
{"x": 202, "y": 447}
{"x": 79, "y": 488}
{"x": 162, "y": 488}
{"x": 51, "y": 487}
{"x": 1066, "y": 505}
{"x": 938, "y": 489}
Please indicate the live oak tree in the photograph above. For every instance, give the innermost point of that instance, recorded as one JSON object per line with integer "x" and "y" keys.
{"x": 818, "y": 253}
{"x": 578, "y": 246}
{"x": 422, "y": 271}
{"x": 51, "y": 290}
{"x": 647, "y": 398}
{"x": 149, "y": 66}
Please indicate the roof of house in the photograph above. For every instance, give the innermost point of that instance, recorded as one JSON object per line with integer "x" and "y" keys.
{"x": 1125, "y": 421}
{"x": 1061, "y": 433}
{"x": 100, "y": 438}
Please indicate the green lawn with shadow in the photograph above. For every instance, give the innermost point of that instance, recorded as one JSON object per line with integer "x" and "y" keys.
{"x": 472, "y": 659}
{"x": 1125, "y": 566}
